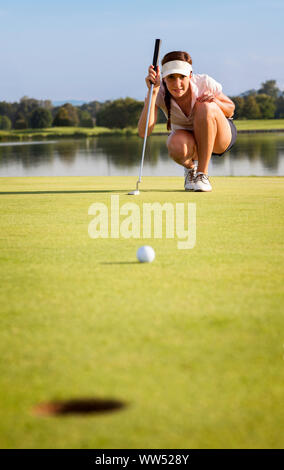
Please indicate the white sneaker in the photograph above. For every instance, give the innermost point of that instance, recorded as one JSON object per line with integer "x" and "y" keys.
{"x": 189, "y": 176}
{"x": 202, "y": 183}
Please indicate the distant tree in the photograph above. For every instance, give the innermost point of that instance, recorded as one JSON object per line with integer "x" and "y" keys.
{"x": 239, "y": 105}
{"x": 47, "y": 104}
{"x": 9, "y": 109}
{"x": 72, "y": 113}
{"x": 279, "y": 113}
{"x": 62, "y": 118}
{"x": 93, "y": 108}
{"x": 251, "y": 108}
{"x": 266, "y": 105}
{"x": 86, "y": 119}
{"x": 120, "y": 113}
{"x": 41, "y": 118}
{"x": 66, "y": 116}
{"x": 269, "y": 88}
{"x": 21, "y": 121}
{"x": 250, "y": 92}
{"x": 27, "y": 105}
{"x": 5, "y": 123}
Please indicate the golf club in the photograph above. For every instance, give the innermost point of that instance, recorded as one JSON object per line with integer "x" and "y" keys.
{"x": 155, "y": 63}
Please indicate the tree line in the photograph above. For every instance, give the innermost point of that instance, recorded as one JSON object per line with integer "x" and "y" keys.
{"x": 29, "y": 113}
{"x": 265, "y": 103}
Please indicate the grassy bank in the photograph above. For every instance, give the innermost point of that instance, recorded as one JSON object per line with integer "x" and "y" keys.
{"x": 83, "y": 132}
{"x": 192, "y": 344}
{"x": 260, "y": 125}
{"x": 62, "y": 132}
{"x": 246, "y": 125}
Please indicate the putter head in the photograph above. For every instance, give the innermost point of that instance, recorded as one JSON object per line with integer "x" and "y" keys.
{"x": 136, "y": 191}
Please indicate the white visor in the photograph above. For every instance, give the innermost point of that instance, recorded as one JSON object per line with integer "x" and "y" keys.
{"x": 176, "y": 66}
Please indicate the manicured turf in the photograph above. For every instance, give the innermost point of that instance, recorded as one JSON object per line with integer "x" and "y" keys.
{"x": 245, "y": 125}
{"x": 259, "y": 124}
{"x": 192, "y": 343}
{"x": 58, "y": 132}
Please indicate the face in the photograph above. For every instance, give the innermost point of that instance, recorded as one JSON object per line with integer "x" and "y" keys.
{"x": 177, "y": 84}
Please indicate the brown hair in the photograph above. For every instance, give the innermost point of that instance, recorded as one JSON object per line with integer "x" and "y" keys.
{"x": 175, "y": 55}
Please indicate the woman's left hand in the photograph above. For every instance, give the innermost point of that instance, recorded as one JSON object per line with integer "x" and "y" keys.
{"x": 207, "y": 96}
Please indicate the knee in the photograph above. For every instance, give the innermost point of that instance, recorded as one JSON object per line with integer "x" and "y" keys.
{"x": 179, "y": 147}
{"x": 176, "y": 147}
{"x": 205, "y": 109}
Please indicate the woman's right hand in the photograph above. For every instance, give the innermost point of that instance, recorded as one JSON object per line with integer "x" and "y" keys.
{"x": 153, "y": 78}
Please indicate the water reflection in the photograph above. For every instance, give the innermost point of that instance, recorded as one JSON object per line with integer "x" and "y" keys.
{"x": 122, "y": 151}
{"x": 67, "y": 151}
{"x": 29, "y": 156}
{"x": 253, "y": 154}
{"x": 266, "y": 148}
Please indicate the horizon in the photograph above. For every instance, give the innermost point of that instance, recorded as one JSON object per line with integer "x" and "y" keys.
{"x": 56, "y": 103}
{"x": 62, "y": 51}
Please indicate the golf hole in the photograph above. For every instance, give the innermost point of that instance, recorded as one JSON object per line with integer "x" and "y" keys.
{"x": 83, "y": 406}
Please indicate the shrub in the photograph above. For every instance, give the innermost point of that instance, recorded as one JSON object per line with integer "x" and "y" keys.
{"x": 41, "y": 118}
{"x": 5, "y": 123}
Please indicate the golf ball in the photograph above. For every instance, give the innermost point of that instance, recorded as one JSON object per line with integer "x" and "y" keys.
{"x": 145, "y": 254}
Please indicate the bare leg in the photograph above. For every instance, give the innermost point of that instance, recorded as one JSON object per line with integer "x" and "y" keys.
{"x": 211, "y": 131}
{"x": 182, "y": 148}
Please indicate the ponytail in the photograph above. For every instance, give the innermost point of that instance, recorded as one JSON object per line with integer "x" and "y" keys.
{"x": 168, "y": 105}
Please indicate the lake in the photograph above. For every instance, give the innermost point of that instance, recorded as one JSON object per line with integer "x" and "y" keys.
{"x": 253, "y": 154}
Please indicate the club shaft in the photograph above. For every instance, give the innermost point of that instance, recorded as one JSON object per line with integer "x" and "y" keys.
{"x": 146, "y": 132}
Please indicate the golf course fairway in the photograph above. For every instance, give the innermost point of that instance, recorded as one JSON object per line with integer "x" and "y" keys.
{"x": 192, "y": 344}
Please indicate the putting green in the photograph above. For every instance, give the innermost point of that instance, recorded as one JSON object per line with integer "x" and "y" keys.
{"x": 191, "y": 343}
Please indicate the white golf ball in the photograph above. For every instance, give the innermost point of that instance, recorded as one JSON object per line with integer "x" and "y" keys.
{"x": 145, "y": 254}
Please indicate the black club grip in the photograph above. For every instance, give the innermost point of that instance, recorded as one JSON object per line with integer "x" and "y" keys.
{"x": 156, "y": 53}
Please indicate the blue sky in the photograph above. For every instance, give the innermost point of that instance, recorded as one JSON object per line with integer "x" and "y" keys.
{"x": 99, "y": 50}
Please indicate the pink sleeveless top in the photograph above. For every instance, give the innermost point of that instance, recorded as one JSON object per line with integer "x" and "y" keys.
{"x": 199, "y": 85}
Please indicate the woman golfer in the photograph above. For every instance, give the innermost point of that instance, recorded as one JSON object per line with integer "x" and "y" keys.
{"x": 198, "y": 113}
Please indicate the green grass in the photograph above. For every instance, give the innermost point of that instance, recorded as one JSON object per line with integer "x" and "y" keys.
{"x": 193, "y": 342}
{"x": 82, "y": 132}
{"x": 244, "y": 125}
{"x": 57, "y": 132}
{"x": 259, "y": 124}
